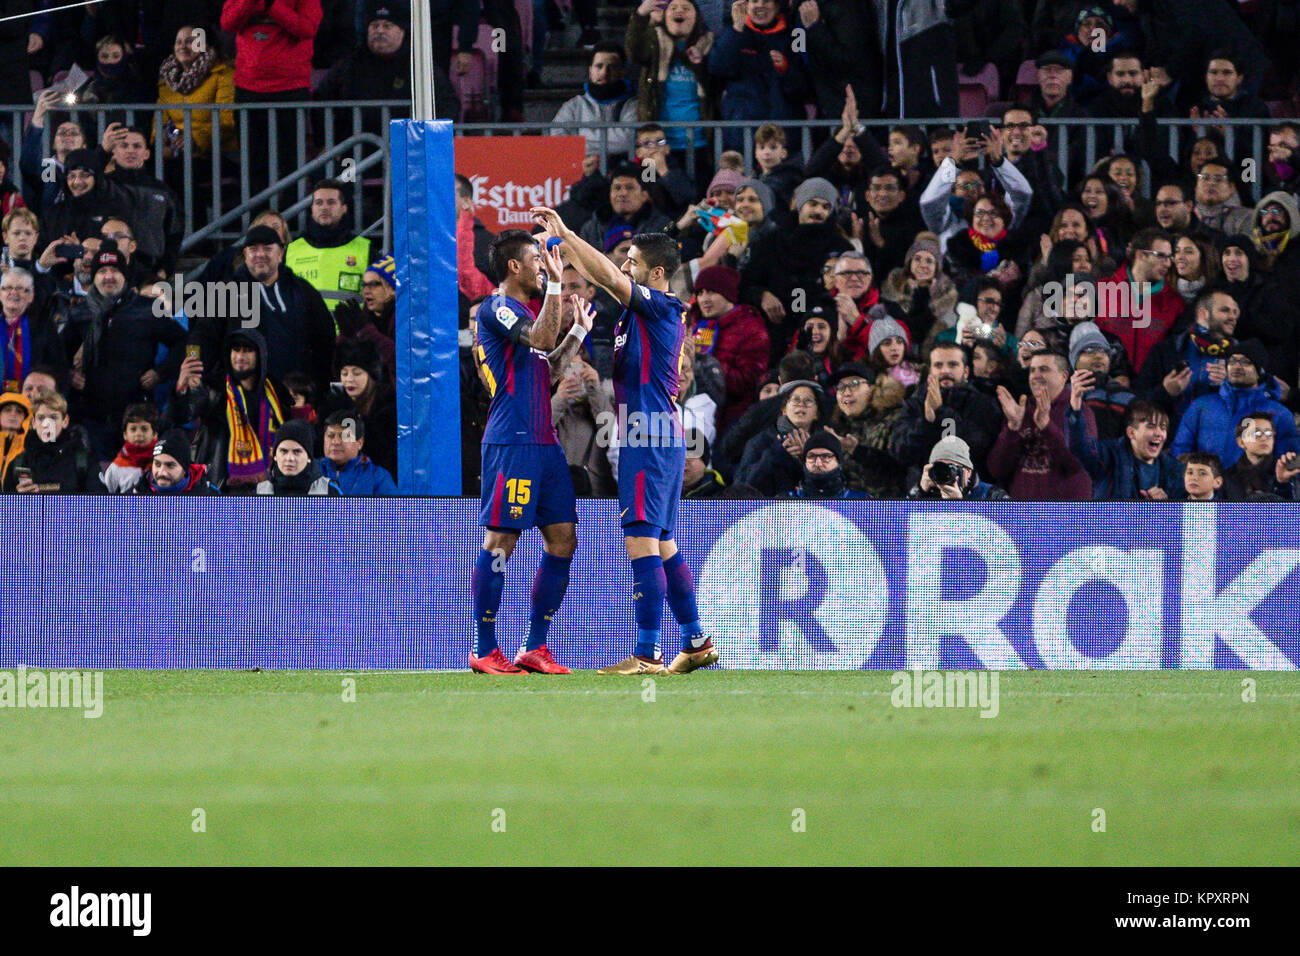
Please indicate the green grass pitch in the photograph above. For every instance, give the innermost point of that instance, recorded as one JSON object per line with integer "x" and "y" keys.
{"x": 452, "y": 768}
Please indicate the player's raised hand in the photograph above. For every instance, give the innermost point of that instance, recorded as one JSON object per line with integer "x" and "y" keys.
{"x": 550, "y": 220}
{"x": 553, "y": 261}
{"x": 584, "y": 313}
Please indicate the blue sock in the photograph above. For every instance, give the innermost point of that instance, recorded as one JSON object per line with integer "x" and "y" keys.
{"x": 548, "y": 592}
{"x": 648, "y": 586}
{"x": 681, "y": 599}
{"x": 487, "y": 584}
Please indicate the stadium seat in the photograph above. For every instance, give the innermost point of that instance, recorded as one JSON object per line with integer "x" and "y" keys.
{"x": 1026, "y": 81}
{"x": 995, "y": 109}
{"x": 972, "y": 99}
{"x": 1282, "y": 109}
{"x": 472, "y": 89}
{"x": 37, "y": 81}
{"x": 483, "y": 45}
{"x": 987, "y": 78}
{"x": 975, "y": 92}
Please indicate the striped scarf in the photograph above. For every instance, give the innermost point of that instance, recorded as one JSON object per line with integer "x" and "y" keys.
{"x": 18, "y": 355}
{"x": 248, "y": 446}
{"x": 985, "y": 243}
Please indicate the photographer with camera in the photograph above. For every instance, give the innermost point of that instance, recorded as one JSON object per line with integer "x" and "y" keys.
{"x": 951, "y": 475}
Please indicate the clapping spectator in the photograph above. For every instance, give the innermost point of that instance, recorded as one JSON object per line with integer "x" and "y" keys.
{"x": 670, "y": 43}
{"x": 948, "y": 404}
{"x": 764, "y": 73}
{"x": 866, "y": 407}
{"x": 1032, "y": 454}
{"x": 773, "y": 459}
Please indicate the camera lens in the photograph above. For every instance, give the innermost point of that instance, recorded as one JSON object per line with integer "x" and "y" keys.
{"x": 942, "y": 473}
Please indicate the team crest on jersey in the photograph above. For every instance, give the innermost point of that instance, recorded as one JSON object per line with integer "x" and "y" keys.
{"x": 505, "y": 316}
{"x": 516, "y": 511}
{"x": 352, "y": 260}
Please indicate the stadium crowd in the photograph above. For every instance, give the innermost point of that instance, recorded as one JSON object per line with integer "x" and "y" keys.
{"x": 930, "y": 302}
{"x": 956, "y": 298}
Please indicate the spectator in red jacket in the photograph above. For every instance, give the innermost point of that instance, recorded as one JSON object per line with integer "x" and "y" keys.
{"x": 734, "y": 334}
{"x": 1137, "y": 304}
{"x": 273, "y": 48}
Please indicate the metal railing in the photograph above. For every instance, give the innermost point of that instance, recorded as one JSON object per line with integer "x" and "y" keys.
{"x": 208, "y": 210}
{"x": 318, "y": 151}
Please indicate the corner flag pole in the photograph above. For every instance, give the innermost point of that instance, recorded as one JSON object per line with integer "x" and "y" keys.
{"x": 422, "y": 105}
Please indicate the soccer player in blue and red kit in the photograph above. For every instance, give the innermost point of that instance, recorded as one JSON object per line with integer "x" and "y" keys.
{"x": 526, "y": 479}
{"x": 652, "y": 448}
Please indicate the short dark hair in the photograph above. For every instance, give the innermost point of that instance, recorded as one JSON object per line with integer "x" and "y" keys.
{"x": 795, "y": 366}
{"x": 1207, "y": 458}
{"x": 1033, "y": 118}
{"x": 1060, "y": 358}
{"x": 1181, "y": 185}
{"x": 648, "y": 127}
{"x": 884, "y": 169}
{"x": 608, "y": 46}
{"x": 626, "y": 171}
{"x": 1224, "y": 54}
{"x": 942, "y": 132}
{"x": 1141, "y": 410}
{"x": 1254, "y": 416}
{"x": 334, "y": 184}
{"x": 136, "y": 129}
{"x": 345, "y": 417}
{"x": 1121, "y": 55}
{"x": 1144, "y": 238}
{"x": 1286, "y": 126}
{"x": 139, "y": 412}
{"x": 965, "y": 355}
{"x": 912, "y": 134}
{"x": 659, "y": 249}
{"x": 505, "y": 247}
{"x": 300, "y": 383}
{"x": 464, "y": 188}
{"x": 1205, "y": 301}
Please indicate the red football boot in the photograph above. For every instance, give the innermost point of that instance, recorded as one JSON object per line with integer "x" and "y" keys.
{"x": 540, "y": 661}
{"x": 494, "y": 663}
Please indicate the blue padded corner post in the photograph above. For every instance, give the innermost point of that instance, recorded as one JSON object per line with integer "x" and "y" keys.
{"x": 428, "y": 354}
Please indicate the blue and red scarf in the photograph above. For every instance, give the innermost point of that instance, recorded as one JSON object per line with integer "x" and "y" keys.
{"x": 18, "y": 354}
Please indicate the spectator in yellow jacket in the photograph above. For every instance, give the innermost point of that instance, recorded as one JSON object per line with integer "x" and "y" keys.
{"x": 195, "y": 75}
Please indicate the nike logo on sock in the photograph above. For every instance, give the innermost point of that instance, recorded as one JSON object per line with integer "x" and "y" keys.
{"x": 698, "y": 642}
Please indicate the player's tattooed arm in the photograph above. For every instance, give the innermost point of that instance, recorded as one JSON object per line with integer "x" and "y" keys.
{"x": 584, "y": 317}
{"x": 590, "y": 262}
{"x": 542, "y": 332}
